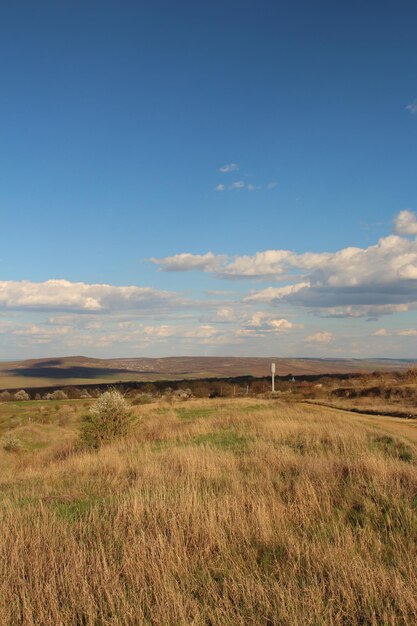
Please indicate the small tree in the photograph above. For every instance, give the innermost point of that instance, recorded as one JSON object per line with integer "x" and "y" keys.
{"x": 59, "y": 395}
{"x": 21, "y": 395}
{"x": 5, "y": 396}
{"x": 108, "y": 419}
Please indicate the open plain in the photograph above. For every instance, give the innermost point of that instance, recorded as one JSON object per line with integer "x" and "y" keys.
{"x": 221, "y": 512}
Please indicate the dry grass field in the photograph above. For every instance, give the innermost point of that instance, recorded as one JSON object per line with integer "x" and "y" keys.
{"x": 211, "y": 512}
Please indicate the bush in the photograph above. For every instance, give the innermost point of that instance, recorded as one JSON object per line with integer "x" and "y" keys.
{"x": 108, "y": 419}
{"x": 56, "y": 395}
{"x": 21, "y": 395}
{"x": 142, "y": 398}
{"x": 59, "y": 395}
{"x": 5, "y": 396}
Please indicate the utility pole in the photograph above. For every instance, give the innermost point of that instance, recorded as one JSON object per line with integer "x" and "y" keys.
{"x": 273, "y": 376}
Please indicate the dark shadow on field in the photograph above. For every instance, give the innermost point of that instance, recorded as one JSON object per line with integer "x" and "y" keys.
{"x": 76, "y": 371}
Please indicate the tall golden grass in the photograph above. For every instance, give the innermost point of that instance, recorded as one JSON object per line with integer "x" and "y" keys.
{"x": 215, "y": 513}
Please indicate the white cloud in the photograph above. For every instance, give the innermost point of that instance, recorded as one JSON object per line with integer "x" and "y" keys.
{"x": 381, "y": 275}
{"x": 381, "y": 332}
{"x": 321, "y": 336}
{"x": 186, "y": 261}
{"x": 280, "y": 325}
{"x": 79, "y": 320}
{"x": 238, "y": 184}
{"x": 271, "y": 295}
{"x": 262, "y": 323}
{"x": 220, "y": 187}
{"x": 165, "y": 331}
{"x": 371, "y": 312}
{"x": 229, "y": 167}
{"x": 225, "y": 315}
{"x": 63, "y": 295}
{"x": 412, "y": 107}
{"x": 40, "y": 330}
{"x": 406, "y": 332}
{"x": 406, "y": 223}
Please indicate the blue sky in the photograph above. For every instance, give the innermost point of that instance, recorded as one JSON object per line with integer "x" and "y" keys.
{"x": 117, "y": 119}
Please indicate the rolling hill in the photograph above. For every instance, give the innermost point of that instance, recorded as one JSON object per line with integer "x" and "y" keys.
{"x": 75, "y": 370}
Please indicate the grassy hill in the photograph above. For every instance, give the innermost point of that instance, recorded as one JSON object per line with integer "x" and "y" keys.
{"x": 83, "y": 370}
{"x": 220, "y": 512}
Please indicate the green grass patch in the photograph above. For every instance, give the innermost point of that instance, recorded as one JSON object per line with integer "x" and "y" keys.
{"x": 224, "y": 439}
{"x": 392, "y": 447}
{"x": 73, "y": 510}
{"x": 186, "y": 413}
{"x": 250, "y": 408}
{"x": 160, "y": 410}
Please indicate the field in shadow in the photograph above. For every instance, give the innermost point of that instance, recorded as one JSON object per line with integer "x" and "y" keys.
{"x": 52, "y": 369}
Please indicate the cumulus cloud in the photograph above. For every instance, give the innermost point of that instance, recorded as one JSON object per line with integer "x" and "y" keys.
{"x": 272, "y": 295}
{"x": 381, "y": 275}
{"x": 262, "y": 323}
{"x": 220, "y": 187}
{"x": 406, "y": 223}
{"x": 186, "y": 261}
{"x": 229, "y": 167}
{"x": 63, "y": 295}
{"x": 321, "y": 336}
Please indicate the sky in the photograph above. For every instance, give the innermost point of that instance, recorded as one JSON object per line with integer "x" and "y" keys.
{"x": 208, "y": 178}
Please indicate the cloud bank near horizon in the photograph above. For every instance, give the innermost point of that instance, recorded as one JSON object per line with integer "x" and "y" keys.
{"x": 298, "y": 309}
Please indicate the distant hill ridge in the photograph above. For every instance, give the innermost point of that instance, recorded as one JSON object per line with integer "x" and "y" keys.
{"x": 72, "y": 370}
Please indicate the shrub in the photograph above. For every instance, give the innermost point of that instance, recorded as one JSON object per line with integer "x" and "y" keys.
{"x": 109, "y": 418}
{"x": 56, "y": 395}
{"x": 5, "y": 396}
{"x": 21, "y": 395}
{"x": 11, "y": 443}
{"x": 59, "y": 395}
{"x": 142, "y": 398}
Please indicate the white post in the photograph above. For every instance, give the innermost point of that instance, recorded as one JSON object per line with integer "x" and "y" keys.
{"x": 273, "y": 376}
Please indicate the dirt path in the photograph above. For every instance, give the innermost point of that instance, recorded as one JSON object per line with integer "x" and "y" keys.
{"x": 405, "y": 428}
